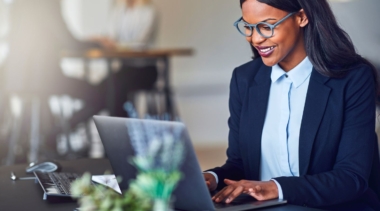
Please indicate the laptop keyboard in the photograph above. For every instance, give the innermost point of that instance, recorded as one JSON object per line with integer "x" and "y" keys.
{"x": 221, "y": 205}
{"x": 56, "y": 183}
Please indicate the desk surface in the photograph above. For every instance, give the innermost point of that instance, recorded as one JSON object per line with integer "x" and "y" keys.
{"x": 27, "y": 195}
{"x": 129, "y": 53}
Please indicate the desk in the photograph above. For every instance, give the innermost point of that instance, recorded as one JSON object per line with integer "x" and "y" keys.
{"x": 27, "y": 195}
{"x": 161, "y": 55}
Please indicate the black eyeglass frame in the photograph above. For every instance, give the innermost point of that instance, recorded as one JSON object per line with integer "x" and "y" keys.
{"x": 251, "y": 26}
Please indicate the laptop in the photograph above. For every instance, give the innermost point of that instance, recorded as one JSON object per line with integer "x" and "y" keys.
{"x": 118, "y": 137}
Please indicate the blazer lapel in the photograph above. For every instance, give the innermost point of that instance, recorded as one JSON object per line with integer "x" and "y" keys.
{"x": 315, "y": 104}
{"x": 257, "y": 106}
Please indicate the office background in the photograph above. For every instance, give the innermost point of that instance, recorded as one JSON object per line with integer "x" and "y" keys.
{"x": 201, "y": 82}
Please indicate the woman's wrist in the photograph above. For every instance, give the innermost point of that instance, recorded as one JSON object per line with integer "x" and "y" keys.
{"x": 273, "y": 189}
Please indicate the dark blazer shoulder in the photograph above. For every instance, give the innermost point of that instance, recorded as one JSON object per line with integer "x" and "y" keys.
{"x": 250, "y": 68}
{"x": 251, "y": 72}
{"x": 355, "y": 77}
{"x": 357, "y": 70}
{"x": 360, "y": 70}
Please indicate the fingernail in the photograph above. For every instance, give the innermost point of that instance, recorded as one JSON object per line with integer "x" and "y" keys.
{"x": 228, "y": 200}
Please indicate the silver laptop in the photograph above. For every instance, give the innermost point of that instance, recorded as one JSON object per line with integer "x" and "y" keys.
{"x": 191, "y": 193}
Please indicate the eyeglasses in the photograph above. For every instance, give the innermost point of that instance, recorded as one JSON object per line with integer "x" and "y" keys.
{"x": 263, "y": 28}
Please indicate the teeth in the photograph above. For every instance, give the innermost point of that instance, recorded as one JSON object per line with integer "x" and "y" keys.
{"x": 266, "y": 49}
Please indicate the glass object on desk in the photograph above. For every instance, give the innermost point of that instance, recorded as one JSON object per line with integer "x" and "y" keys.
{"x": 162, "y": 205}
{"x": 98, "y": 197}
{"x": 159, "y": 153}
{"x": 107, "y": 180}
{"x": 157, "y": 161}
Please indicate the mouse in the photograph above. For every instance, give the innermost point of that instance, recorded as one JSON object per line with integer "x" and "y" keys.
{"x": 46, "y": 166}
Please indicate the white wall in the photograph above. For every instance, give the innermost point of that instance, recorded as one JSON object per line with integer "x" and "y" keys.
{"x": 360, "y": 19}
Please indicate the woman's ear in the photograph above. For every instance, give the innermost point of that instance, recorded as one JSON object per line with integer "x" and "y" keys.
{"x": 302, "y": 18}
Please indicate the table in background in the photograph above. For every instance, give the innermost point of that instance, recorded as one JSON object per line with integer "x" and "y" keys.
{"x": 160, "y": 54}
{"x": 27, "y": 195}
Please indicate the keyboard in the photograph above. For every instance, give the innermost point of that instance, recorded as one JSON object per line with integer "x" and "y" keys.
{"x": 56, "y": 183}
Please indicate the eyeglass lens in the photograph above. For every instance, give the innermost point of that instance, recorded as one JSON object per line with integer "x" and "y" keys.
{"x": 262, "y": 28}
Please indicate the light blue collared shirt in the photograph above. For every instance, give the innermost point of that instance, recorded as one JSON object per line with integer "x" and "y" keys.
{"x": 280, "y": 137}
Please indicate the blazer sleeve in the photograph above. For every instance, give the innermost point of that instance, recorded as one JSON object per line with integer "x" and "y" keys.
{"x": 233, "y": 168}
{"x": 349, "y": 177}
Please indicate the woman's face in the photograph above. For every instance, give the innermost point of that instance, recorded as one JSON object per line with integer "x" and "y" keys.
{"x": 286, "y": 47}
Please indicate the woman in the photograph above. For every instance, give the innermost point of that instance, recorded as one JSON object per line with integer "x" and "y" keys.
{"x": 302, "y": 124}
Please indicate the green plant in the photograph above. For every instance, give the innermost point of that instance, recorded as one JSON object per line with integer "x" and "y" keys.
{"x": 158, "y": 168}
{"x": 93, "y": 197}
{"x": 159, "y": 152}
{"x": 158, "y": 174}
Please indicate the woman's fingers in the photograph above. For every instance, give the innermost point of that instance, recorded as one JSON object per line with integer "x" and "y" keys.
{"x": 216, "y": 196}
{"x": 257, "y": 189}
{"x": 238, "y": 190}
{"x": 231, "y": 191}
{"x": 229, "y": 182}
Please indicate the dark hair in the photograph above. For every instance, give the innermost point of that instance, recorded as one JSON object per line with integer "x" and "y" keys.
{"x": 328, "y": 47}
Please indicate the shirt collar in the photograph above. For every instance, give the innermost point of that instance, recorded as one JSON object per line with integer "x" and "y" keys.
{"x": 298, "y": 74}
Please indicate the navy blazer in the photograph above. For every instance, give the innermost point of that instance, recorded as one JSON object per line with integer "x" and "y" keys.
{"x": 338, "y": 154}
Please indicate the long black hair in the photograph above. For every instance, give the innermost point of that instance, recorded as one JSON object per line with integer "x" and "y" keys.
{"x": 328, "y": 47}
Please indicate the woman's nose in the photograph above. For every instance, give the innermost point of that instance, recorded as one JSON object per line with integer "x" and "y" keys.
{"x": 256, "y": 38}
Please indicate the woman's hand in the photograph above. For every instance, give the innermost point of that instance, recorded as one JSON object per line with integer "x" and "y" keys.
{"x": 210, "y": 181}
{"x": 259, "y": 190}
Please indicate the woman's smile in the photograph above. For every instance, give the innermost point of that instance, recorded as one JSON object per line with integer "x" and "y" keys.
{"x": 265, "y": 51}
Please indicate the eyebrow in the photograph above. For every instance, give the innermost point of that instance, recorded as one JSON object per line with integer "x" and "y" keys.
{"x": 261, "y": 21}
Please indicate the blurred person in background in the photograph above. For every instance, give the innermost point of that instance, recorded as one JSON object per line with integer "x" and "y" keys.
{"x": 132, "y": 25}
{"x": 302, "y": 113}
{"x": 37, "y": 37}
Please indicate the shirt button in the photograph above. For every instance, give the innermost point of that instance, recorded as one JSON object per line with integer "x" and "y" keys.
{"x": 286, "y": 75}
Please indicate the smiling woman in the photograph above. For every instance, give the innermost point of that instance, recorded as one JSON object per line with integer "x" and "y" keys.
{"x": 302, "y": 113}
{"x": 327, "y": 45}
